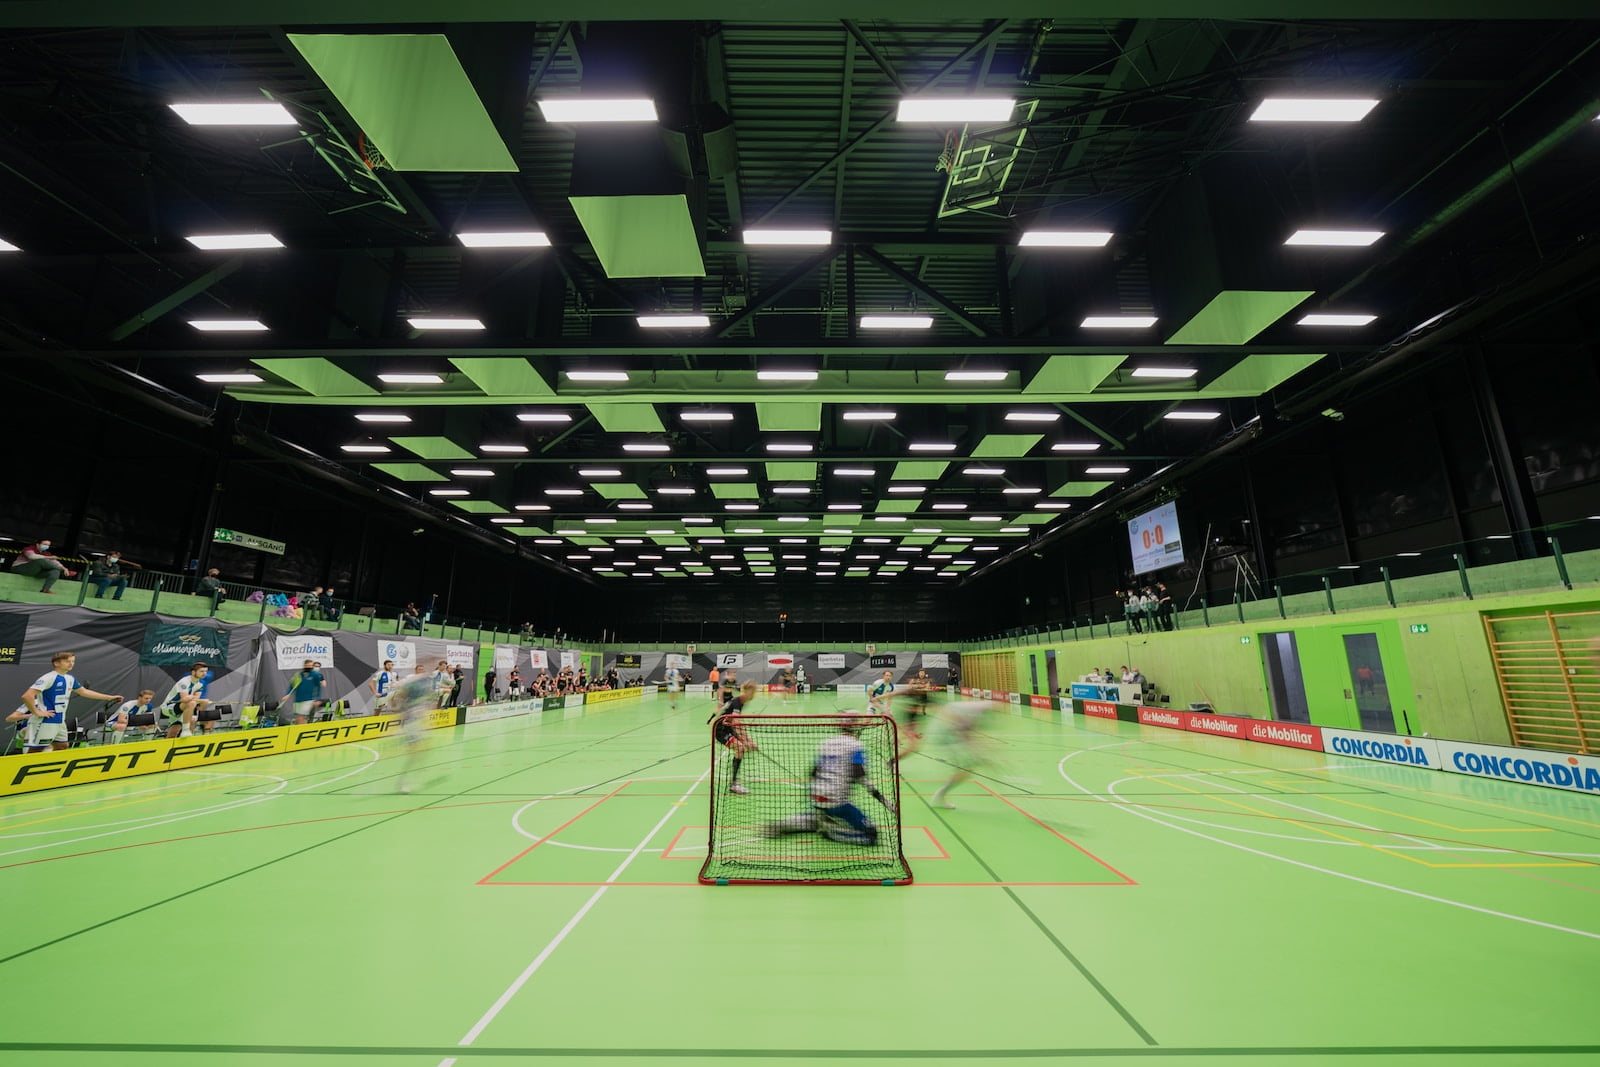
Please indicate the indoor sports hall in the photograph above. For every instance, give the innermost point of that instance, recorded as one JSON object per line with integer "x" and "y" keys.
{"x": 741, "y": 533}
{"x": 1103, "y": 892}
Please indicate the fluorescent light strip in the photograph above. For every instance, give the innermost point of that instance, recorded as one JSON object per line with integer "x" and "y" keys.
{"x": 855, "y": 472}
{"x": 243, "y": 113}
{"x": 504, "y": 239}
{"x": 599, "y": 472}
{"x": 706, "y": 416}
{"x": 868, "y": 416}
{"x": 673, "y": 322}
{"x": 741, "y": 507}
{"x": 381, "y": 416}
{"x": 949, "y": 507}
{"x": 596, "y": 375}
{"x": 375, "y": 450}
{"x": 229, "y": 325}
{"x": 996, "y": 471}
{"x": 221, "y": 242}
{"x": 908, "y": 489}
{"x": 543, "y": 416}
{"x": 448, "y": 492}
{"x": 1064, "y": 239}
{"x": 1164, "y": 372}
{"x": 411, "y": 379}
{"x": 1334, "y": 238}
{"x": 896, "y": 322}
{"x": 955, "y": 110}
{"x": 645, "y": 446}
{"x": 505, "y": 450}
{"x": 1033, "y": 416}
{"x": 844, "y": 507}
{"x": 1075, "y": 446}
{"x": 430, "y": 322}
{"x": 729, "y": 471}
{"x": 636, "y": 505}
{"x": 563, "y": 492}
{"x": 774, "y": 236}
{"x": 1308, "y": 109}
{"x": 1106, "y": 470}
{"x": 675, "y": 490}
{"x": 1332, "y": 319}
{"x": 1018, "y": 490}
{"x": 618, "y": 109}
{"x": 1118, "y": 322}
{"x": 931, "y": 446}
{"x": 1192, "y": 416}
{"x": 975, "y": 375}
{"x": 471, "y": 472}
{"x": 531, "y": 507}
{"x": 7, "y": 246}
{"x": 242, "y": 378}
{"x": 792, "y": 490}
{"x": 789, "y": 446}
{"x": 786, "y": 375}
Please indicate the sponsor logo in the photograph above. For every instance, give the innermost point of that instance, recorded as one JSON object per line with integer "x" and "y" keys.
{"x": 1040, "y": 702}
{"x": 1099, "y": 709}
{"x": 13, "y": 631}
{"x": 554, "y": 703}
{"x": 879, "y": 662}
{"x": 936, "y": 659}
{"x": 228, "y": 748}
{"x": 166, "y": 645}
{"x": 1215, "y": 724}
{"x": 1172, "y": 720}
{"x": 403, "y": 653}
{"x": 730, "y": 659}
{"x": 1557, "y": 770}
{"x": 780, "y": 659}
{"x": 966, "y": 691}
{"x": 294, "y": 651}
{"x": 337, "y": 733}
{"x": 830, "y": 661}
{"x": 1386, "y": 749}
{"x": 1286, "y": 733}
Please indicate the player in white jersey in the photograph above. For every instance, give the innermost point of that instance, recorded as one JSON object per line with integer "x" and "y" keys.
{"x": 960, "y": 721}
{"x": 382, "y": 685}
{"x": 46, "y": 701}
{"x": 412, "y": 698}
{"x": 674, "y": 679}
{"x": 841, "y": 765}
{"x": 183, "y": 700}
{"x": 878, "y": 694}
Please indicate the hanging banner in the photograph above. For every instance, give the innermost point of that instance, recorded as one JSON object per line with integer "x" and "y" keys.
{"x": 505, "y": 658}
{"x": 629, "y": 661}
{"x": 734, "y": 660}
{"x": 679, "y": 661}
{"x": 936, "y": 659}
{"x": 569, "y": 659}
{"x": 885, "y": 660}
{"x": 166, "y": 645}
{"x": 830, "y": 661}
{"x": 780, "y": 660}
{"x": 404, "y": 654}
{"x": 540, "y": 662}
{"x": 459, "y": 656}
{"x": 294, "y": 649}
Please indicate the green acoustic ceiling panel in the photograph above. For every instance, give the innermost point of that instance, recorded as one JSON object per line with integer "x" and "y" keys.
{"x": 1034, "y": 518}
{"x": 432, "y": 447}
{"x": 841, "y": 519}
{"x": 410, "y": 472}
{"x": 501, "y": 376}
{"x": 916, "y": 470}
{"x": 627, "y": 418}
{"x": 618, "y": 490}
{"x": 410, "y": 97}
{"x": 734, "y": 490}
{"x": 1079, "y": 488}
{"x": 1257, "y": 374}
{"x": 789, "y": 416}
{"x": 1072, "y": 374}
{"x": 642, "y": 236}
{"x": 792, "y": 471}
{"x": 1234, "y": 316}
{"x": 891, "y": 505}
{"x": 479, "y": 507}
{"x": 586, "y": 542}
{"x": 317, "y": 376}
{"x": 525, "y": 531}
{"x": 1006, "y": 445}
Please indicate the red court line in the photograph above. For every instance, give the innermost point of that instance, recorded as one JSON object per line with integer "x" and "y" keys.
{"x": 1556, "y": 881}
{"x": 942, "y": 853}
{"x": 485, "y": 879}
{"x": 666, "y": 853}
{"x": 1035, "y": 819}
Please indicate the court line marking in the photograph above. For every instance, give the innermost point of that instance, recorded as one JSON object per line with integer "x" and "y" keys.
{"x": 1131, "y": 810}
{"x": 538, "y": 961}
{"x": 144, "y": 818}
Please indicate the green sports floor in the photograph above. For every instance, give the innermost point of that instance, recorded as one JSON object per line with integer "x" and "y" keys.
{"x": 1108, "y": 894}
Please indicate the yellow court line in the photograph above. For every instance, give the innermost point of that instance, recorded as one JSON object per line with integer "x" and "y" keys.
{"x": 1469, "y": 800}
{"x": 97, "y": 809}
{"x": 1507, "y": 865}
{"x": 1428, "y": 822}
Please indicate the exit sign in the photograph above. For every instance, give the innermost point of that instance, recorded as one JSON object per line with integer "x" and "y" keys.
{"x": 1419, "y": 627}
{"x": 1244, "y": 640}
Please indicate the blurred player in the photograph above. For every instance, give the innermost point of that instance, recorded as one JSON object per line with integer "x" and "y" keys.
{"x": 878, "y": 694}
{"x": 965, "y": 750}
{"x": 730, "y": 733}
{"x": 913, "y": 700}
{"x": 786, "y": 679}
{"x": 841, "y": 765}
{"x": 411, "y": 698}
{"x": 674, "y": 682}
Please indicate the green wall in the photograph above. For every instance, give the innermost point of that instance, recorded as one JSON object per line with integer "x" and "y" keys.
{"x": 1444, "y": 679}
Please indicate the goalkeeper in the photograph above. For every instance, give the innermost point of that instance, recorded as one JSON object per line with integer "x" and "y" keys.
{"x": 841, "y": 765}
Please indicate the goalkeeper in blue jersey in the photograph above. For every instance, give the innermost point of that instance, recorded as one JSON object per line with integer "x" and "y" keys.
{"x": 841, "y": 765}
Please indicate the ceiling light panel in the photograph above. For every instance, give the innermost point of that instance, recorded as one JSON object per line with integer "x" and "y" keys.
{"x": 955, "y": 110}
{"x": 234, "y": 113}
{"x": 1313, "y": 109}
{"x": 615, "y": 109}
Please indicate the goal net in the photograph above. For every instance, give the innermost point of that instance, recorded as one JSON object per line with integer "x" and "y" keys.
{"x": 796, "y": 810}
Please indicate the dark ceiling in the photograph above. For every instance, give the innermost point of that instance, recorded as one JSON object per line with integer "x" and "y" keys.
{"x": 1477, "y": 164}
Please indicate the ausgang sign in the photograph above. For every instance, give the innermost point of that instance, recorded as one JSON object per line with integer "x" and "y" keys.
{"x": 244, "y": 540}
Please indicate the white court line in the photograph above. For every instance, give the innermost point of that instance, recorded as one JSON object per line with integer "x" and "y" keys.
{"x": 226, "y": 806}
{"x": 572, "y": 923}
{"x": 1123, "y": 805}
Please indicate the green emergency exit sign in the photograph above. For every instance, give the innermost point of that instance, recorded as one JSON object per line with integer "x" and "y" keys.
{"x": 1419, "y": 627}
{"x": 1244, "y": 640}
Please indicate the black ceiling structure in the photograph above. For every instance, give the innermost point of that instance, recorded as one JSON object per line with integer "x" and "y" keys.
{"x": 1477, "y": 165}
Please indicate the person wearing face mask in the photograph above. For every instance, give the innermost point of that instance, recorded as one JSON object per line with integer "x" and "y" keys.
{"x": 36, "y": 560}
{"x": 107, "y": 571}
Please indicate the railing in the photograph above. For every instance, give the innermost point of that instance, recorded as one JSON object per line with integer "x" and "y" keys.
{"x": 1568, "y": 557}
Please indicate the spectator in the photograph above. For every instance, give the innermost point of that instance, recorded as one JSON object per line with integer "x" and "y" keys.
{"x": 1107, "y": 677}
{"x": 489, "y": 680}
{"x": 107, "y": 571}
{"x": 305, "y": 691}
{"x": 1147, "y": 609}
{"x": 210, "y": 586}
{"x": 1164, "y": 605}
{"x": 331, "y": 608}
{"x": 460, "y": 677}
{"x": 311, "y": 604}
{"x": 1130, "y": 610}
{"x": 1127, "y": 675}
{"x": 411, "y": 619}
{"x": 527, "y": 632}
{"x": 37, "y": 560}
{"x": 46, "y": 701}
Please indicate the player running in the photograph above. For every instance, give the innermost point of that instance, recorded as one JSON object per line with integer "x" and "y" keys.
{"x": 965, "y": 749}
{"x": 914, "y": 700}
{"x": 730, "y": 733}
{"x": 674, "y": 680}
{"x": 411, "y": 699}
{"x": 878, "y": 694}
{"x": 841, "y": 765}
